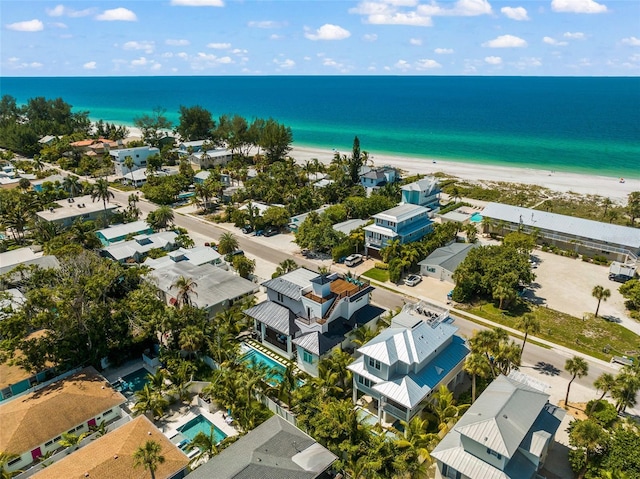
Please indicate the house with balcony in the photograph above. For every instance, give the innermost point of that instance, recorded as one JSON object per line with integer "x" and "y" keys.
{"x": 210, "y": 158}
{"x": 424, "y": 192}
{"x": 374, "y": 178}
{"x": 188, "y": 147}
{"x": 405, "y": 223}
{"x": 400, "y": 368}
{"x": 139, "y": 155}
{"x": 33, "y": 423}
{"x": 505, "y": 434}
{"x": 307, "y": 315}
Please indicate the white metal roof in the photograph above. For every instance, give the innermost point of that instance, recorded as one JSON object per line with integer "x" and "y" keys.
{"x": 124, "y": 229}
{"x": 401, "y": 212}
{"x": 569, "y": 225}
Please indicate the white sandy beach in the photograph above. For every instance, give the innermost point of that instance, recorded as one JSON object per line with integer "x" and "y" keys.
{"x": 557, "y": 181}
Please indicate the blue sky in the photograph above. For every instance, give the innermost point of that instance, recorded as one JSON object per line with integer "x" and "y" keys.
{"x": 318, "y": 37}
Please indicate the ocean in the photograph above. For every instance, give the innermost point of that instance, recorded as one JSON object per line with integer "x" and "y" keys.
{"x": 574, "y": 124}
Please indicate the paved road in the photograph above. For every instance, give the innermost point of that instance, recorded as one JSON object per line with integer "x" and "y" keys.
{"x": 545, "y": 364}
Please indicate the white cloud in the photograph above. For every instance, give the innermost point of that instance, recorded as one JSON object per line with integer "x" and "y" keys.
{"x": 35, "y": 65}
{"x": 410, "y": 18}
{"x": 147, "y": 46}
{"x": 553, "y": 41}
{"x": 415, "y": 41}
{"x": 575, "y": 35}
{"x": 197, "y": 3}
{"x": 328, "y": 32}
{"x": 202, "y": 61}
{"x": 403, "y": 65}
{"x": 219, "y": 46}
{"x": 275, "y": 36}
{"x": 117, "y": 15}
{"x": 139, "y": 62}
{"x": 506, "y": 41}
{"x": 156, "y": 66}
{"x": 515, "y": 13}
{"x": 493, "y": 60}
{"x": 266, "y": 24}
{"x": 528, "y": 62}
{"x": 177, "y": 42}
{"x": 90, "y": 66}
{"x": 182, "y": 55}
{"x": 59, "y": 25}
{"x": 578, "y": 6}
{"x": 462, "y": 8}
{"x": 61, "y": 10}
{"x": 34, "y": 25}
{"x": 370, "y": 37}
{"x": 427, "y": 64}
{"x": 443, "y": 51}
{"x": 386, "y": 13}
{"x": 167, "y": 55}
{"x": 239, "y": 51}
{"x": 288, "y": 63}
{"x": 633, "y": 41}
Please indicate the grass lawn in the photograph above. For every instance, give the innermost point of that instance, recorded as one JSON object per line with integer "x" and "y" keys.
{"x": 119, "y": 186}
{"x": 594, "y": 336}
{"x": 378, "y": 274}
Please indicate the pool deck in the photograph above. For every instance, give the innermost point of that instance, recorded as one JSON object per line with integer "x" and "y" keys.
{"x": 179, "y": 416}
{"x": 113, "y": 374}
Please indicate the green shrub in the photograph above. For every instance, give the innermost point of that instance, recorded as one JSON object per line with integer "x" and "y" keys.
{"x": 602, "y": 412}
{"x": 341, "y": 251}
{"x": 383, "y": 266}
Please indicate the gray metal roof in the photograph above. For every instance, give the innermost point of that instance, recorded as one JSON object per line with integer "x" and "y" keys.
{"x": 401, "y": 212}
{"x": 44, "y": 262}
{"x": 291, "y": 283}
{"x": 448, "y": 257}
{"x": 348, "y": 226}
{"x": 317, "y": 343}
{"x": 273, "y": 450}
{"x": 275, "y": 316}
{"x": 123, "y": 229}
{"x": 427, "y": 184}
{"x": 569, "y": 225}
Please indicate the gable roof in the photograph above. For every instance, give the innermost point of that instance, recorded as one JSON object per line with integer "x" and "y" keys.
{"x": 448, "y": 257}
{"x": 123, "y": 229}
{"x": 275, "y": 316}
{"x": 273, "y": 450}
{"x": 111, "y": 455}
{"x": 401, "y": 212}
{"x": 291, "y": 283}
{"x": 428, "y": 185}
{"x": 30, "y": 420}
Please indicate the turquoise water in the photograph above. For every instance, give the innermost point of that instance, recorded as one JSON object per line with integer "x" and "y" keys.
{"x": 201, "y": 424}
{"x": 136, "y": 380}
{"x": 476, "y": 218}
{"x": 579, "y": 124}
{"x": 259, "y": 358}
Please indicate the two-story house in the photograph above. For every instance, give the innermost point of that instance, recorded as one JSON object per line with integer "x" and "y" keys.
{"x": 424, "y": 192}
{"x": 210, "y": 158}
{"x": 139, "y": 155}
{"x": 405, "y": 223}
{"x": 308, "y": 315}
{"x": 374, "y": 178}
{"x": 401, "y": 366}
{"x": 505, "y": 434}
{"x": 188, "y": 147}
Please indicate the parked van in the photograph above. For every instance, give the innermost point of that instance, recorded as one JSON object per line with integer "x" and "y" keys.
{"x": 353, "y": 260}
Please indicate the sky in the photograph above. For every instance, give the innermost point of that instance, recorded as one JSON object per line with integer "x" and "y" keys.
{"x": 320, "y": 37}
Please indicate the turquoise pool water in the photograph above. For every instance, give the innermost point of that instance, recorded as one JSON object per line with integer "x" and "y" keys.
{"x": 260, "y": 358}
{"x": 201, "y": 424}
{"x": 476, "y": 218}
{"x": 133, "y": 382}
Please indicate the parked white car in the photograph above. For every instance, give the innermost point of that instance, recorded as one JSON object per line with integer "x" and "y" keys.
{"x": 412, "y": 279}
{"x": 353, "y": 260}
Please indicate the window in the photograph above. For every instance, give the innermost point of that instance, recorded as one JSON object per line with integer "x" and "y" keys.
{"x": 16, "y": 460}
{"x": 364, "y": 381}
{"x": 307, "y": 357}
{"x": 46, "y": 444}
{"x": 494, "y": 453}
{"x": 107, "y": 412}
{"x": 280, "y": 297}
{"x": 374, "y": 363}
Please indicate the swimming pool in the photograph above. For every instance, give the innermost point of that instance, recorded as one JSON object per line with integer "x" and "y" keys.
{"x": 253, "y": 355}
{"x": 132, "y": 382}
{"x": 201, "y": 424}
{"x": 476, "y": 218}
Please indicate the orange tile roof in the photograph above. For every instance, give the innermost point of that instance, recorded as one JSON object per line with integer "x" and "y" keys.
{"x": 82, "y": 143}
{"x": 30, "y": 420}
{"x": 111, "y": 456}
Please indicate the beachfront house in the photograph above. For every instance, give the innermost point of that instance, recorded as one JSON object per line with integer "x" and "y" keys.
{"x": 186, "y": 148}
{"x": 216, "y": 288}
{"x": 307, "y": 315}
{"x": 210, "y": 158}
{"x": 505, "y": 434}
{"x": 33, "y": 423}
{"x": 424, "y": 192}
{"x": 139, "y": 155}
{"x": 443, "y": 262}
{"x": 71, "y": 209}
{"x": 273, "y": 450}
{"x": 405, "y": 223}
{"x": 615, "y": 242}
{"x": 397, "y": 371}
{"x": 120, "y": 232}
{"x": 111, "y": 456}
{"x": 374, "y": 178}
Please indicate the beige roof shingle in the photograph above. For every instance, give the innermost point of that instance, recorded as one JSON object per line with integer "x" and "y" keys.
{"x": 30, "y": 420}
{"x": 111, "y": 456}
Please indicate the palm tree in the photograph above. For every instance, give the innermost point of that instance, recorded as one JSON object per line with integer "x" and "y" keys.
{"x": 191, "y": 339}
{"x": 5, "y": 458}
{"x": 625, "y": 390}
{"x": 589, "y": 436}
{"x": 477, "y": 365}
{"x": 529, "y": 324}
{"x": 577, "y": 367}
{"x": 228, "y": 243}
{"x": 606, "y": 203}
{"x": 600, "y": 293}
{"x": 288, "y": 384}
{"x": 605, "y": 382}
{"x": 161, "y": 218}
{"x": 100, "y": 191}
{"x": 151, "y": 401}
{"x": 444, "y": 408}
{"x": 70, "y": 440}
{"x": 504, "y": 294}
{"x": 71, "y": 184}
{"x": 149, "y": 457}
{"x": 285, "y": 267}
{"x": 128, "y": 164}
{"x": 185, "y": 287}
{"x": 416, "y": 441}
{"x": 207, "y": 445}
{"x": 363, "y": 335}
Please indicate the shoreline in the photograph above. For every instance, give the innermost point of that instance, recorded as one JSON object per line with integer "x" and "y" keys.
{"x": 559, "y": 181}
